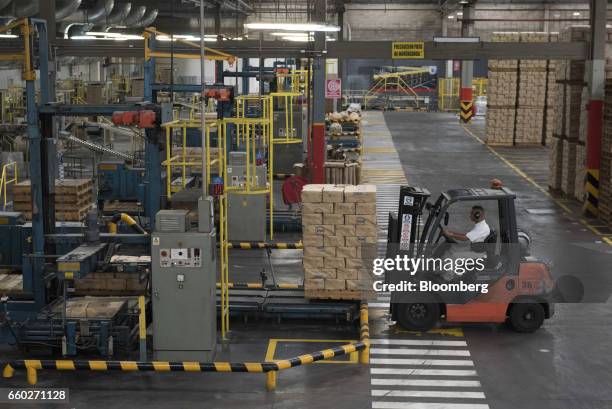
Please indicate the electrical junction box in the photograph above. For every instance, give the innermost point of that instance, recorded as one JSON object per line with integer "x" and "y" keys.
{"x": 247, "y": 217}
{"x": 183, "y": 266}
{"x": 237, "y": 176}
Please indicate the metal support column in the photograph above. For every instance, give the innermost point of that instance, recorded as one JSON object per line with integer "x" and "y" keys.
{"x": 218, "y": 64}
{"x": 597, "y": 81}
{"x": 467, "y": 68}
{"x": 152, "y": 150}
{"x": 318, "y": 104}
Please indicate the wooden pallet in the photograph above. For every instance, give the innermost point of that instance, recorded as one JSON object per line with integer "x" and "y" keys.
{"x": 75, "y": 215}
{"x": 336, "y": 294}
{"x": 62, "y": 187}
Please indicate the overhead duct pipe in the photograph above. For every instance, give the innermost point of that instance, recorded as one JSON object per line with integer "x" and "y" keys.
{"x": 148, "y": 19}
{"x": 95, "y": 14}
{"x": 66, "y": 8}
{"x": 135, "y": 16}
{"x": 119, "y": 13}
{"x": 26, "y": 8}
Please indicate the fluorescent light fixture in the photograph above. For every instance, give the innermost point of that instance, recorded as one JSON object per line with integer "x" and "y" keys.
{"x": 575, "y": 13}
{"x": 291, "y": 26}
{"x": 103, "y": 35}
{"x": 8, "y": 36}
{"x": 456, "y": 39}
{"x": 463, "y": 1}
{"x": 460, "y": 13}
{"x": 451, "y": 16}
{"x": 186, "y": 37}
{"x": 304, "y": 38}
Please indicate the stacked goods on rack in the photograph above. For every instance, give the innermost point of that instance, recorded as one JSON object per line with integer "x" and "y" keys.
{"x": 73, "y": 199}
{"x": 343, "y": 123}
{"x": 501, "y": 95}
{"x": 116, "y": 283}
{"x": 520, "y": 101}
{"x": 605, "y": 172}
{"x": 342, "y": 172}
{"x": 567, "y": 156}
{"x": 340, "y": 240}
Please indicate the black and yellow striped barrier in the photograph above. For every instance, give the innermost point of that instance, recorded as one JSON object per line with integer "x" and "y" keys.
{"x": 284, "y": 286}
{"x": 467, "y": 111}
{"x": 32, "y": 366}
{"x": 591, "y": 203}
{"x": 364, "y": 334}
{"x": 255, "y": 245}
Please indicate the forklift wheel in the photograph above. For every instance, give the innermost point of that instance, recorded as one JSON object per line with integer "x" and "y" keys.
{"x": 418, "y": 316}
{"x": 526, "y": 317}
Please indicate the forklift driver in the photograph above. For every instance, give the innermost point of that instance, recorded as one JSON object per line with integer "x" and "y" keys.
{"x": 480, "y": 231}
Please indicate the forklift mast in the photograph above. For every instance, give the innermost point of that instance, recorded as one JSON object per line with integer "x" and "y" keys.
{"x": 403, "y": 231}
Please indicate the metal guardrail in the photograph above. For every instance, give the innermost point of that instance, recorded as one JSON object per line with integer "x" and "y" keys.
{"x": 270, "y": 368}
{"x": 32, "y": 366}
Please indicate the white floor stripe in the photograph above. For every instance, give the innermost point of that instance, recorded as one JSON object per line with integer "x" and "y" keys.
{"x": 424, "y": 362}
{"x": 428, "y": 394}
{"x": 418, "y": 342}
{"x": 419, "y": 405}
{"x": 425, "y": 382}
{"x": 404, "y": 351}
{"x": 424, "y": 372}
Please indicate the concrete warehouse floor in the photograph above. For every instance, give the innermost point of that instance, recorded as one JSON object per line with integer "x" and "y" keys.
{"x": 563, "y": 365}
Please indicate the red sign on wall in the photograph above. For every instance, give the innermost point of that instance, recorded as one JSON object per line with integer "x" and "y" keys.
{"x": 333, "y": 88}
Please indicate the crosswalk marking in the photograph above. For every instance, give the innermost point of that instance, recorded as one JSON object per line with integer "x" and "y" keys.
{"x": 421, "y": 405}
{"x": 437, "y": 352}
{"x": 376, "y": 341}
{"x": 424, "y": 362}
{"x": 424, "y": 372}
{"x": 428, "y": 394}
{"x": 425, "y": 382}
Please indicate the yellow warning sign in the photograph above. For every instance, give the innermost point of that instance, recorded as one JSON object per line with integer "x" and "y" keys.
{"x": 408, "y": 50}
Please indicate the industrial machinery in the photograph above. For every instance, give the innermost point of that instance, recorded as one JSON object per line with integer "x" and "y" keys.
{"x": 119, "y": 181}
{"x": 183, "y": 265}
{"x": 518, "y": 288}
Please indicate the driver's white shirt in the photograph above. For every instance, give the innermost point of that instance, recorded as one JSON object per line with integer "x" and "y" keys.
{"x": 479, "y": 233}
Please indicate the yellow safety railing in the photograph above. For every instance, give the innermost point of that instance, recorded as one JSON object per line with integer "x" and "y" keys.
{"x": 448, "y": 92}
{"x": 6, "y": 179}
{"x": 297, "y": 79}
{"x": 264, "y": 102}
{"x": 290, "y": 132}
{"x": 185, "y": 159}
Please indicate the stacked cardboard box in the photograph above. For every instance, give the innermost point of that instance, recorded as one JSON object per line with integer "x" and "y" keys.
{"x": 340, "y": 240}
{"x": 570, "y": 121}
{"x": 605, "y": 172}
{"x": 109, "y": 282}
{"x": 521, "y": 95}
{"x": 501, "y": 95}
{"x": 73, "y": 199}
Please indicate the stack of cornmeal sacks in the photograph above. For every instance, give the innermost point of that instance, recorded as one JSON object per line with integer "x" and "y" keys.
{"x": 340, "y": 240}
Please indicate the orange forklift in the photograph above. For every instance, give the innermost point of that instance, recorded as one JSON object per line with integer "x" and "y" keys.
{"x": 518, "y": 288}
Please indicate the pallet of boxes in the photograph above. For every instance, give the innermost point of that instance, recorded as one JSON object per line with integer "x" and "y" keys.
{"x": 605, "y": 172}
{"x": 340, "y": 240}
{"x": 567, "y": 154}
{"x": 73, "y": 199}
{"x": 520, "y": 95}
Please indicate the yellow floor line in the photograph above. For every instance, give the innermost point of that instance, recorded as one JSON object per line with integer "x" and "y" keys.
{"x": 522, "y": 174}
